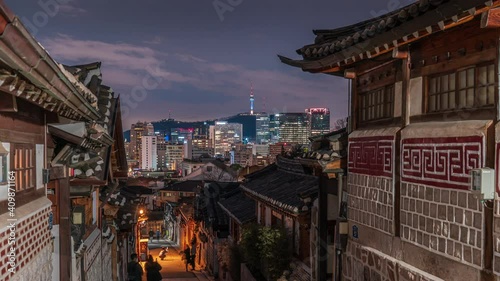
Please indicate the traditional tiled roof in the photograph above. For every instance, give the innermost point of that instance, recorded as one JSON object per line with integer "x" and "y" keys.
{"x": 281, "y": 185}
{"x": 184, "y": 186}
{"x": 223, "y": 167}
{"x": 346, "y": 45}
{"x": 239, "y": 207}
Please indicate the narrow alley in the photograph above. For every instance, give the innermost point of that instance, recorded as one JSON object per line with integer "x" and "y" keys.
{"x": 173, "y": 267}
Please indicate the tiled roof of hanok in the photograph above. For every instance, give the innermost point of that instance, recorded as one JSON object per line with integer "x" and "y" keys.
{"x": 346, "y": 45}
{"x": 281, "y": 184}
{"x": 239, "y": 207}
{"x": 184, "y": 186}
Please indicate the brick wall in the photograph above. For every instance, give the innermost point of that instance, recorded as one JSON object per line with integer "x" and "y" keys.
{"x": 363, "y": 263}
{"x": 370, "y": 200}
{"x": 31, "y": 247}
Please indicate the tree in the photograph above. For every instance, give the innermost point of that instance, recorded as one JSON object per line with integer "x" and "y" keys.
{"x": 341, "y": 123}
{"x": 273, "y": 243}
{"x": 251, "y": 253}
{"x": 261, "y": 246}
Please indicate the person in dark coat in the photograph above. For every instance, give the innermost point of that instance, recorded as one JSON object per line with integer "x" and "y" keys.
{"x": 134, "y": 269}
{"x": 187, "y": 256}
{"x": 153, "y": 270}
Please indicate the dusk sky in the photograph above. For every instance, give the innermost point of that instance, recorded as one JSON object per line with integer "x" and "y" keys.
{"x": 203, "y": 60}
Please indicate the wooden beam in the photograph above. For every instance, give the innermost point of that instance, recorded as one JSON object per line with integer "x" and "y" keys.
{"x": 491, "y": 19}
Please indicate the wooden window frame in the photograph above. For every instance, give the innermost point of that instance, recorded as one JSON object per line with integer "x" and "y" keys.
{"x": 385, "y": 101}
{"x": 457, "y": 90}
{"x": 23, "y": 163}
{"x": 4, "y": 179}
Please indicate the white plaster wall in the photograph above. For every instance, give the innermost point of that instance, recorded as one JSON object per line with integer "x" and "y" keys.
{"x": 416, "y": 94}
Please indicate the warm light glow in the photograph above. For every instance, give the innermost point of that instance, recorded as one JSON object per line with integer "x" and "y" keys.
{"x": 141, "y": 211}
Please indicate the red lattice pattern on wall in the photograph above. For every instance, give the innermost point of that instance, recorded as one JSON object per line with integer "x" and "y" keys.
{"x": 441, "y": 162}
{"x": 371, "y": 155}
{"x": 32, "y": 235}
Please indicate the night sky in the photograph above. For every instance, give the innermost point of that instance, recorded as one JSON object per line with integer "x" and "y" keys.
{"x": 188, "y": 59}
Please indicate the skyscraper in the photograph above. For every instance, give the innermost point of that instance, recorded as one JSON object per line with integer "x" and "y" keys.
{"x": 294, "y": 128}
{"x": 149, "y": 154}
{"x": 262, "y": 128}
{"x": 138, "y": 130}
{"x": 224, "y": 135}
{"x": 319, "y": 120}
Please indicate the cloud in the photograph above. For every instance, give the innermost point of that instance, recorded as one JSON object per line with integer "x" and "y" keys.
{"x": 126, "y": 65}
{"x": 70, "y": 9}
{"x": 155, "y": 41}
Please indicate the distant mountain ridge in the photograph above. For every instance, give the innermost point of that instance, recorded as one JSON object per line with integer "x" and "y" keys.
{"x": 166, "y": 125}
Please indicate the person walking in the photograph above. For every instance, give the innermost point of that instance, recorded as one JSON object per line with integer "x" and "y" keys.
{"x": 158, "y": 235}
{"x": 151, "y": 234}
{"x": 153, "y": 270}
{"x": 187, "y": 256}
{"x": 192, "y": 258}
{"x": 134, "y": 269}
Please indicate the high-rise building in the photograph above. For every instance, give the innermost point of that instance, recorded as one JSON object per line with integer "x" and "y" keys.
{"x": 294, "y": 128}
{"x": 179, "y": 135}
{"x": 161, "y": 148}
{"x": 149, "y": 159}
{"x": 274, "y": 128}
{"x": 224, "y": 135}
{"x": 138, "y": 130}
{"x": 319, "y": 120}
{"x": 262, "y": 128}
{"x": 248, "y": 121}
{"x": 194, "y": 148}
{"x": 241, "y": 154}
{"x": 174, "y": 155}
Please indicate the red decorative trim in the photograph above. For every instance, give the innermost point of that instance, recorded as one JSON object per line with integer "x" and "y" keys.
{"x": 441, "y": 162}
{"x": 371, "y": 155}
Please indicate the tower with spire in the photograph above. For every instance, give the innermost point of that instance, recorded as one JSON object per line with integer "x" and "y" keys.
{"x": 251, "y": 99}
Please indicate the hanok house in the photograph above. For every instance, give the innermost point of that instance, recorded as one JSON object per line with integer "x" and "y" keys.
{"x": 93, "y": 151}
{"x": 35, "y": 91}
{"x": 284, "y": 193}
{"x": 423, "y": 114}
{"x": 212, "y": 224}
{"x": 241, "y": 211}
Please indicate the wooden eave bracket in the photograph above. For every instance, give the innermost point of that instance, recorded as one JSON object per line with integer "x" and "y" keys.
{"x": 491, "y": 18}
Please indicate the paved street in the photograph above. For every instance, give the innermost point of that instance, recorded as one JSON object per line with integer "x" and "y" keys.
{"x": 173, "y": 268}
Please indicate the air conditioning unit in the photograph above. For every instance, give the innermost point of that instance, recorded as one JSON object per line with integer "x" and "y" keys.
{"x": 482, "y": 183}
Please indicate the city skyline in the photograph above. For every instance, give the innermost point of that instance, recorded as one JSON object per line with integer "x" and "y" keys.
{"x": 197, "y": 79}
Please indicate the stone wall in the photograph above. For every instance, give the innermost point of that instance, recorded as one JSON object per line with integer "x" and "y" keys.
{"x": 496, "y": 236}
{"x": 32, "y": 235}
{"x": 444, "y": 221}
{"x": 370, "y": 200}
{"x": 364, "y": 263}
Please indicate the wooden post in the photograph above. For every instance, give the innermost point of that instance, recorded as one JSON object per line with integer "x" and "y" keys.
{"x": 65, "y": 229}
